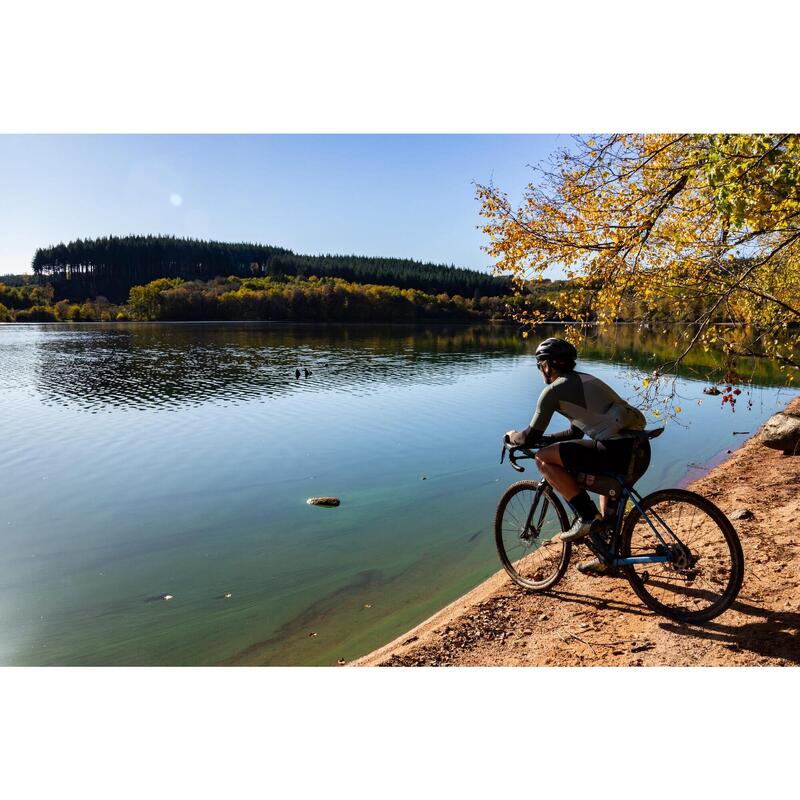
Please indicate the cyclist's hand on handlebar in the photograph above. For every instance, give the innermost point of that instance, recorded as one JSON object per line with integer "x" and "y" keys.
{"x": 515, "y": 438}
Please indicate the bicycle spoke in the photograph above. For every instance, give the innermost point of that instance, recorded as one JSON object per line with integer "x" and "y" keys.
{"x": 701, "y": 572}
{"x": 524, "y": 530}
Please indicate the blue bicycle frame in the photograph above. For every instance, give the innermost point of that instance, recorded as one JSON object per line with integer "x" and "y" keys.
{"x": 629, "y": 493}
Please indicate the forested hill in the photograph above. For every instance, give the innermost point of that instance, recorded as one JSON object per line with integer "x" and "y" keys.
{"x": 110, "y": 266}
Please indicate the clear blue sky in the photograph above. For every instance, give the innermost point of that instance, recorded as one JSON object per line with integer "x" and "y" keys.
{"x": 405, "y": 196}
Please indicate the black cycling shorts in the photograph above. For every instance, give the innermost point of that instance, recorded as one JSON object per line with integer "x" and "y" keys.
{"x": 613, "y": 455}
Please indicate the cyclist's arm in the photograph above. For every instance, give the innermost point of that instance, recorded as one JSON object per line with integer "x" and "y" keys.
{"x": 533, "y": 435}
{"x": 545, "y": 408}
{"x": 530, "y": 437}
{"x": 573, "y": 432}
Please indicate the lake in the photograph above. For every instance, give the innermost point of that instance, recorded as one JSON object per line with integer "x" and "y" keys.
{"x": 144, "y": 459}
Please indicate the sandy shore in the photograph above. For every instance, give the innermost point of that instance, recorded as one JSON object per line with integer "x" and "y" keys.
{"x": 599, "y": 621}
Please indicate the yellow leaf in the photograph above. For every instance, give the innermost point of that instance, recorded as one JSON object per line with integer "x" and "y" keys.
{"x": 646, "y": 382}
{"x": 677, "y": 409}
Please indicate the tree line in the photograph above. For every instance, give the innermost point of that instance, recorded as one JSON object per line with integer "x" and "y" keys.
{"x": 295, "y": 299}
{"x": 312, "y": 299}
{"x": 110, "y": 266}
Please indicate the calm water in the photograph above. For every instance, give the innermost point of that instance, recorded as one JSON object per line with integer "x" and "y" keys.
{"x": 140, "y": 460}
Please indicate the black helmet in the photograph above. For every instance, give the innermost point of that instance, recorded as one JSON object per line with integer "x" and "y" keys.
{"x": 558, "y": 351}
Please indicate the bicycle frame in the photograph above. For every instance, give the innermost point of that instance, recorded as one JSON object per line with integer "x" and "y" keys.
{"x": 611, "y": 555}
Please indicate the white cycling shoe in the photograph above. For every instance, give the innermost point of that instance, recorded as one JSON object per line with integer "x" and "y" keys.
{"x": 580, "y": 530}
{"x": 597, "y": 567}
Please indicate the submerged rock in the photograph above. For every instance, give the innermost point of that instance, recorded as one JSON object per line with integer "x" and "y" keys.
{"x": 157, "y": 598}
{"x": 782, "y": 432}
{"x": 329, "y": 502}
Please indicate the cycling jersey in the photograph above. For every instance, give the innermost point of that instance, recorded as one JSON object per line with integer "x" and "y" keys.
{"x": 593, "y": 408}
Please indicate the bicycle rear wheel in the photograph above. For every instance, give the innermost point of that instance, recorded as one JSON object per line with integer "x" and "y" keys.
{"x": 528, "y": 517}
{"x": 706, "y": 566}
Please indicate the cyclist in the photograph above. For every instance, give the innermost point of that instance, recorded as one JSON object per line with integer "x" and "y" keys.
{"x": 594, "y": 410}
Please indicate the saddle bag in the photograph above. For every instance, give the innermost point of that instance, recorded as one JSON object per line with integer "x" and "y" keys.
{"x": 600, "y": 484}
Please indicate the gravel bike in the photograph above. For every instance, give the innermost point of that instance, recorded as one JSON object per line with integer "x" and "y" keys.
{"x": 679, "y": 552}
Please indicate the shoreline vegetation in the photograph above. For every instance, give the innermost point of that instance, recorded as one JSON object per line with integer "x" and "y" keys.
{"x": 148, "y": 278}
{"x": 642, "y": 344}
{"x": 111, "y": 265}
{"x": 273, "y": 299}
{"x": 600, "y": 622}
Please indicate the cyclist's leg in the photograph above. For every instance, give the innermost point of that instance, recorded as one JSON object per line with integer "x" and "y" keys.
{"x": 548, "y": 459}
{"x": 591, "y": 458}
{"x": 559, "y": 463}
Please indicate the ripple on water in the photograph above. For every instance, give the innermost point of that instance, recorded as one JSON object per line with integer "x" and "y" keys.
{"x": 142, "y": 367}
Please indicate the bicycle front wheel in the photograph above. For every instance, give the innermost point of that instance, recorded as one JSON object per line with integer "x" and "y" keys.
{"x": 706, "y": 566}
{"x": 528, "y": 516}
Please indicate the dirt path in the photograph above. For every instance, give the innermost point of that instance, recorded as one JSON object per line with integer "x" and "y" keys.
{"x": 600, "y": 621}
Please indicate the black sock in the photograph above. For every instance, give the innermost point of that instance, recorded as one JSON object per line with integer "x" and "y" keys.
{"x": 584, "y": 506}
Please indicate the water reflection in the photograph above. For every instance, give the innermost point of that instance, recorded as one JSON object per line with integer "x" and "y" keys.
{"x": 137, "y": 366}
{"x": 173, "y": 365}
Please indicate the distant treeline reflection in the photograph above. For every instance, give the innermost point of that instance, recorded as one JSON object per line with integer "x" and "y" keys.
{"x": 170, "y": 365}
{"x": 148, "y": 366}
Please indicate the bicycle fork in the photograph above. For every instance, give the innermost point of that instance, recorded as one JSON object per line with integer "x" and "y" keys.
{"x": 527, "y": 531}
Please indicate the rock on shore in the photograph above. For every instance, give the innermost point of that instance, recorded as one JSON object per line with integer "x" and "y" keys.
{"x": 782, "y": 432}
